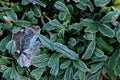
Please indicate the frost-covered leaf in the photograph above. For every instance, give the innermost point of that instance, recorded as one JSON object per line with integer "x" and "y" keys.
{"x": 11, "y": 15}
{"x": 51, "y": 25}
{"x": 23, "y": 23}
{"x": 98, "y": 52}
{"x": 96, "y": 67}
{"x": 89, "y": 51}
{"x": 40, "y": 60}
{"x": 101, "y": 3}
{"x": 109, "y": 17}
{"x": 65, "y": 64}
{"x": 11, "y": 47}
{"x": 4, "y": 42}
{"x": 106, "y": 30}
{"x": 80, "y": 65}
{"x": 63, "y": 49}
{"x": 37, "y": 73}
{"x": 68, "y": 74}
{"x": 14, "y": 75}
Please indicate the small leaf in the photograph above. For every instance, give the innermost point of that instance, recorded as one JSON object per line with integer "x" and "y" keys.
{"x": 80, "y": 65}
{"x": 7, "y": 73}
{"x": 11, "y": 15}
{"x": 106, "y": 30}
{"x": 23, "y": 23}
{"x": 88, "y": 53}
{"x": 65, "y": 64}
{"x": 98, "y": 52}
{"x": 14, "y": 75}
{"x": 94, "y": 76}
{"x": 40, "y": 60}
{"x": 4, "y": 42}
{"x": 87, "y": 3}
{"x": 46, "y": 42}
{"x": 11, "y": 47}
{"x": 63, "y": 49}
{"x": 61, "y": 7}
{"x": 37, "y": 73}
{"x": 51, "y": 25}
{"x": 36, "y": 11}
{"x": 101, "y": 3}
{"x": 72, "y": 42}
{"x": 55, "y": 69}
{"x": 68, "y": 74}
{"x": 25, "y": 2}
{"x": 96, "y": 67}
{"x": 53, "y": 60}
{"x": 104, "y": 46}
{"x": 109, "y": 17}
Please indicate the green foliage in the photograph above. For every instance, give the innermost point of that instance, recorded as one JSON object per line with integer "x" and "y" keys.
{"x": 78, "y": 40}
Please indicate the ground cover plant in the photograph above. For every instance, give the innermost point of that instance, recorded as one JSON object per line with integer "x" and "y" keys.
{"x": 59, "y": 39}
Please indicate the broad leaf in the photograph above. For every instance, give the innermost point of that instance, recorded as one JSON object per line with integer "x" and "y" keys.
{"x": 68, "y": 74}
{"x": 101, "y": 3}
{"x": 106, "y": 30}
{"x": 80, "y": 65}
{"x": 63, "y": 49}
{"x": 37, "y": 73}
{"x": 40, "y": 60}
{"x": 65, "y": 64}
{"x": 4, "y": 42}
{"x": 109, "y": 17}
{"x": 11, "y": 15}
{"x": 23, "y": 23}
{"x": 11, "y": 47}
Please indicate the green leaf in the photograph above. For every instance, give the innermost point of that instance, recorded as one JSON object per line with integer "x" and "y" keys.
{"x": 72, "y": 42}
{"x": 61, "y": 7}
{"x": 68, "y": 74}
{"x": 11, "y": 47}
{"x": 14, "y": 75}
{"x": 91, "y": 25}
{"x": 40, "y": 60}
{"x": 63, "y": 49}
{"x": 98, "y": 52}
{"x": 106, "y": 30}
{"x": 104, "y": 46}
{"x": 96, "y": 67}
{"x": 53, "y": 60}
{"x": 101, "y": 3}
{"x": 118, "y": 34}
{"x": 11, "y": 15}
{"x": 87, "y": 3}
{"x": 36, "y": 11}
{"x": 80, "y": 65}
{"x": 46, "y": 42}
{"x": 4, "y": 61}
{"x": 114, "y": 59}
{"x": 51, "y": 25}
{"x": 81, "y": 6}
{"x": 25, "y": 2}
{"x": 109, "y": 17}
{"x": 37, "y": 73}
{"x": 4, "y": 42}
{"x": 94, "y": 76}
{"x": 23, "y": 23}
{"x": 65, "y": 64}
{"x": 55, "y": 69}
{"x": 89, "y": 36}
{"x": 89, "y": 51}
{"x": 7, "y": 73}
